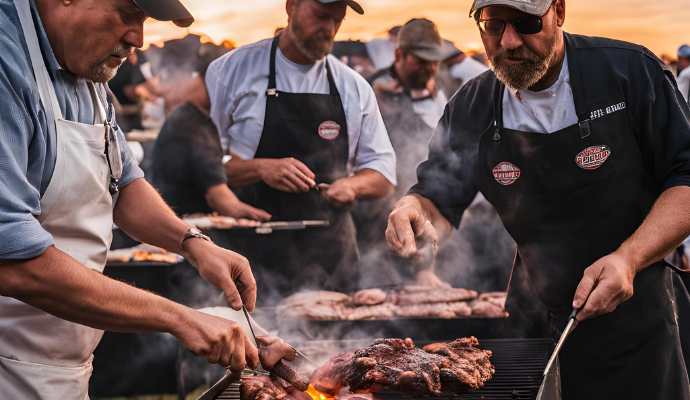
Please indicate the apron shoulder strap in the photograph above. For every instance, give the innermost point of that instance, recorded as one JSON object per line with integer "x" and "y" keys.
{"x": 273, "y": 86}
{"x": 45, "y": 85}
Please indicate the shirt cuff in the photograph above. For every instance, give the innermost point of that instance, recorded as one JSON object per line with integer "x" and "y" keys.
{"x": 23, "y": 240}
{"x": 380, "y": 167}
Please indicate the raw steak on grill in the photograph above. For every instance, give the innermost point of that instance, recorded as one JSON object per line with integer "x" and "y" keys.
{"x": 396, "y": 365}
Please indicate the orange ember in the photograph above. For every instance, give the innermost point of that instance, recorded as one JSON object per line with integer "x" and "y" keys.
{"x": 316, "y": 395}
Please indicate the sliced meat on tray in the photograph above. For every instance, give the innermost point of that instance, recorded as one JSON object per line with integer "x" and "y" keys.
{"x": 369, "y": 297}
{"x": 396, "y": 365}
{"x": 418, "y": 296}
{"x": 378, "y": 312}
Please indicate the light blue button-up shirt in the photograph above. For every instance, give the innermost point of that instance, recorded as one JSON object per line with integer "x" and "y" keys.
{"x": 27, "y": 141}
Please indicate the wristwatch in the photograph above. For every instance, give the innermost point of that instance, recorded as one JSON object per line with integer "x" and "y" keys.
{"x": 194, "y": 233}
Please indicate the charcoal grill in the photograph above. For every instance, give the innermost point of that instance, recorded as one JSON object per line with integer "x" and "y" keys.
{"x": 519, "y": 367}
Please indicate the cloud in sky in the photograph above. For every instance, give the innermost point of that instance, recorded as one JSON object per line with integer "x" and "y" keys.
{"x": 660, "y": 25}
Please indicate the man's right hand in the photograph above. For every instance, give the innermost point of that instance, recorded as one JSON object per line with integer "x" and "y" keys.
{"x": 287, "y": 175}
{"x": 407, "y": 225}
{"x": 219, "y": 340}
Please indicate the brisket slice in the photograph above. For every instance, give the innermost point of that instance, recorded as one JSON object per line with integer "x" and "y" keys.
{"x": 396, "y": 365}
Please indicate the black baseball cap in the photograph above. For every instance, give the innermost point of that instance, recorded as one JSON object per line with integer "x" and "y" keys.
{"x": 166, "y": 10}
{"x": 352, "y": 3}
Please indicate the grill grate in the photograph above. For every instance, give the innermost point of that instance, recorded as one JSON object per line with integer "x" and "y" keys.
{"x": 519, "y": 366}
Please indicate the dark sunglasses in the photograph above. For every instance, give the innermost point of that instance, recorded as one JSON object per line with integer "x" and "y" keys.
{"x": 527, "y": 25}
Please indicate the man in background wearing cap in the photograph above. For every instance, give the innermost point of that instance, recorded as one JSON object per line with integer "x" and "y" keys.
{"x": 66, "y": 175}
{"x": 307, "y": 141}
{"x": 684, "y": 71}
{"x": 583, "y": 147}
{"x": 411, "y": 104}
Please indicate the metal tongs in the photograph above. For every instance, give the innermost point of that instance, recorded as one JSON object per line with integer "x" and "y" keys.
{"x": 256, "y": 342}
{"x": 551, "y": 378}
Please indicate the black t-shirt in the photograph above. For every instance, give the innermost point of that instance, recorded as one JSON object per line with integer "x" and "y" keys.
{"x": 187, "y": 160}
{"x": 449, "y": 178}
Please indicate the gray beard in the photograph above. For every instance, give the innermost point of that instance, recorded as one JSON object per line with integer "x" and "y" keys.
{"x": 525, "y": 75}
{"x": 308, "y": 47}
{"x": 101, "y": 73}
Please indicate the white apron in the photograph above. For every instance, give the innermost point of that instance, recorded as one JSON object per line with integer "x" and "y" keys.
{"x": 42, "y": 356}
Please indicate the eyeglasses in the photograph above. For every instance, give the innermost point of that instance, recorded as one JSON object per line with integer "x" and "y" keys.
{"x": 527, "y": 25}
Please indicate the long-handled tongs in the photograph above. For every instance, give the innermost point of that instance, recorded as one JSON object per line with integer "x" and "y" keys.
{"x": 550, "y": 376}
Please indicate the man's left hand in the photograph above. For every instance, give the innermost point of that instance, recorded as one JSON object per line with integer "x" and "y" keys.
{"x": 606, "y": 284}
{"x": 340, "y": 193}
{"x": 224, "y": 269}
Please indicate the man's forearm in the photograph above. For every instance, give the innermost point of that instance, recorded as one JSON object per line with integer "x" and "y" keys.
{"x": 59, "y": 285}
{"x": 666, "y": 226}
{"x": 370, "y": 184}
{"x": 243, "y": 172}
{"x": 143, "y": 215}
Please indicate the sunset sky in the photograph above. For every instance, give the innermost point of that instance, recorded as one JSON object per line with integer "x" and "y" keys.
{"x": 661, "y": 25}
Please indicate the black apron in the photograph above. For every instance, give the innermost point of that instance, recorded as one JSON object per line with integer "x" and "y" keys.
{"x": 569, "y": 198}
{"x": 313, "y": 129}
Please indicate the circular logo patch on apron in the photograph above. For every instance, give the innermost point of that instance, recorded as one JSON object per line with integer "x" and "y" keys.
{"x": 592, "y": 157}
{"x": 329, "y": 130}
{"x": 506, "y": 173}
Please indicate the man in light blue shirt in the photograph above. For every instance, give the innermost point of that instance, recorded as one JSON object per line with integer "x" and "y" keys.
{"x": 81, "y": 44}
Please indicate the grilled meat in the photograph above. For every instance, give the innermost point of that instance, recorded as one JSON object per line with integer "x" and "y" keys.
{"x": 268, "y": 388}
{"x": 416, "y": 295}
{"x": 487, "y": 309}
{"x": 396, "y": 365}
{"x": 437, "y": 310}
{"x": 379, "y": 312}
{"x": 291, "y": 376}
{"x": 314, "y": 305}
{"x": 369, "y": 297}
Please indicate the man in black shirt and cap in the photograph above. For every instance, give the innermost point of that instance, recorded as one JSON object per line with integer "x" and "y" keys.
{"x": 583, "y": 146}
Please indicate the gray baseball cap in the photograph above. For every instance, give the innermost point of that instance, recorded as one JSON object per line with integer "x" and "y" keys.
{"x": 684, "y": 51}
{"x": 352, "y": 3}
{"x": 166, "y": 10}
{"x": 534, "y": 7}
{"x": 420, "y": 37}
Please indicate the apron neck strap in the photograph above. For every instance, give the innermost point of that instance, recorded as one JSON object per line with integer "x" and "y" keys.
{"x": 100, "y": 113}
{"x": 45, "y": 85}
{"x": 272, "y": 85}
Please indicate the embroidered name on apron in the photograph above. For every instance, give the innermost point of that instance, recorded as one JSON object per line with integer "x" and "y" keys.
{"x": 506, "y": 173}
{"x": 592, "y": 157}
{"x": 602, "y": 112}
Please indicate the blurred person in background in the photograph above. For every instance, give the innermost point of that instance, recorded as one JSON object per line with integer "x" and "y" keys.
{"x": 582, "y": 144}
{"x": 684, "y": 71}
{"x": 411, "y": 106}
{"x": 188, "y": 159}
{"x": 131, "y": 88}
{"x": 306, "y": 141}
{"x": 381, "y": 51}
{"x": 457, "y": 69}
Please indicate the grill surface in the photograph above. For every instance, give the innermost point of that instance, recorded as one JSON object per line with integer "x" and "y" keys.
{"x": 519, "y": 366}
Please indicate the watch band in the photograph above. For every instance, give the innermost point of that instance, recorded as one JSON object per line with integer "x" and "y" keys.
{"x": 194, "y": 233}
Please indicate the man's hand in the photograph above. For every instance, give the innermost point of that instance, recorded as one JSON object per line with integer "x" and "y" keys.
{"x": 406, "y": 225}
{"x": 605, "y": 285}
{"x": 273, "y": 350}
{"x": 287, "y": 175}
{"x": 219, "y": 340}
{"x": 224, "y": 269}
{"x": 241, "y": 210}
{"x": 340, "y": 193}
